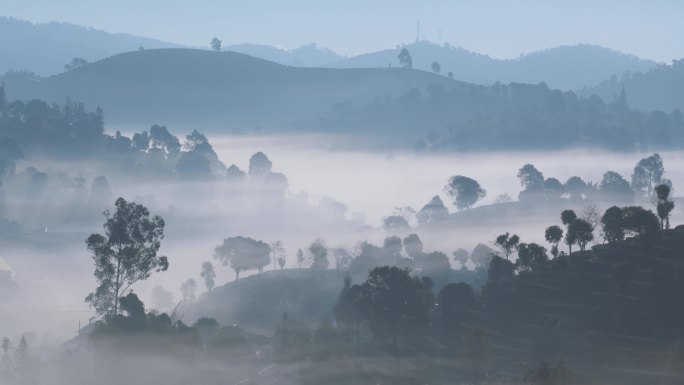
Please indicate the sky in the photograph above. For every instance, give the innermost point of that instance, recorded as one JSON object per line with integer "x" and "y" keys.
{"x": 499, "y": 28}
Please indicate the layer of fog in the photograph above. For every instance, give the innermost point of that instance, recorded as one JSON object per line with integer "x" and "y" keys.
{"x": 199, "y": 215}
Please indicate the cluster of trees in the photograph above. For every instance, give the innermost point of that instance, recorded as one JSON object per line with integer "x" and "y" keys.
{"x": 648, "y": 173}
{"x": 465, "y": 117}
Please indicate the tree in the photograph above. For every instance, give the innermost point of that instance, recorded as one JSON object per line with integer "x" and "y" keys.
{"x": 531, "y": 179}
{"x": 464, "y": 191}
{"x": 614, "y": 186}
{"x": 259, "y": 165}
{"x": 553, "y": 235}
{"x": 433, "y": 211}
{"x": 413, "y": 246}
{"x": 208, "y": 275}
{"x": 665, "y": 205}
{"x": 639, "y": 221}
{"x": 126, "y": 253}
{"x": 648, "y": 173}
{"x": 576, "y": 188}
{"x": 436, "y": 67}
{"x": 281, "y": 262}
{"x": 507, "y": 243}
{"x": 342, "y": 257}
{"x": 399, "y": 303}
{"x": 193, "y": 165}
{"x": 450, "y": 75}
{"x": 277, "y": 250}
{"x": 395, "y": 223}
{"x": 582, "y": 232}
{"x": 243, "y": 253}
{"x": 353, "y": 308}
{"x": 405, "y": 59}
{"x": 500, "y": 269}
{"x": 460, "y": 256}
{"x": 319, "y": 255}
{"x": 531, "y": 256}
{"x": 613, "y": 224}
{"x": 215, "y": 44}
{"x": 75, "y": 63}
{"x": 568, "y": 216}
{"x": 300, "y": 258}
{"x": 481, "y": 255}
{"x": 453, "y": 303}
{"x": 189, "y": 288}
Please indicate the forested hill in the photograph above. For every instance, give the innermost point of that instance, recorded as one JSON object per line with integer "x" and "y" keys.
{"x": 221, "y": 92}
{"x": 660, "y": 88}
{"x": 220, "y": 89}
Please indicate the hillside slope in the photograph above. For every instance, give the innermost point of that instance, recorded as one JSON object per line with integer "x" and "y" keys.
{"x": 220, "y": 89}
{"x": 44, "y": 49}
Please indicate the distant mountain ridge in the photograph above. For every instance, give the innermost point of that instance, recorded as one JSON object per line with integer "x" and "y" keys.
{"x": 44, "y": 49}
{"x": 564, "y": 67}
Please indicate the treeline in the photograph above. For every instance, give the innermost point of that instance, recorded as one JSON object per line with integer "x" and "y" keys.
{"x": 467, "y": 117}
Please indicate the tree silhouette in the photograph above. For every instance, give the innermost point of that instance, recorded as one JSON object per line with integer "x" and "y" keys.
{"x": 436, "y": 67}
{"x": 243, "y": 253}
{"x": 553, "y": 235}
{"x": 648, "y": 173}
{"x": 665, "y": 205}
{"x": 208, "y": 275}
{"x": 614, "y": 186}
{"x": 319, "y": 255}
{"x": 405, "y": 59}
{"x": 582, "y": 232}
{"x": 399, "y": 304}
{"x": 531, "y": 256}
{"x": 613, "y": 224}
{"x": 531, "y": 179}
{"x": 464, "y": 191}
{"x": 215, "y": 44}
{"x": 433, "y": 211}
{"x": 567, "y": 218}
{"x": 461, "y": 256}
{"x": 126, "y": 253}
{"x": 277, "y": 251}
{"x": 507, "y": 243}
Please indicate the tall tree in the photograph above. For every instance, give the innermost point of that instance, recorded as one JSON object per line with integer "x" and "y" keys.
{"x": 208, "y": 275}
{"x": 464, "y": 191}
{"x": 436, "y": 67}
{"x": 665, "y": 205}
{"x": 126, "y": 253}
{"x": 648, "y": 173}
{"x": 531, "y": 179}
{"x": 277, "y": 251}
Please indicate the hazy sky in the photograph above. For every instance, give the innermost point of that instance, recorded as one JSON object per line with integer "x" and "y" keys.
{"x": 502, "y": 28}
